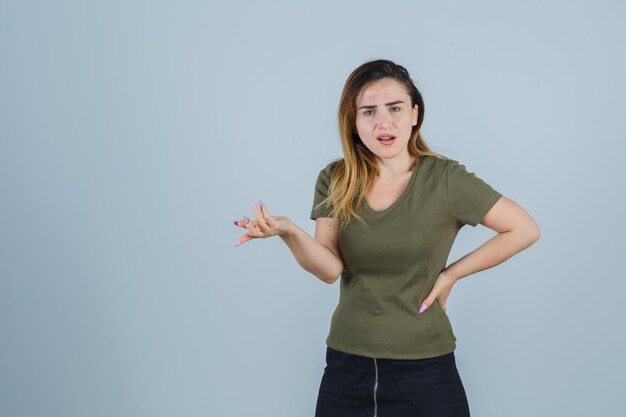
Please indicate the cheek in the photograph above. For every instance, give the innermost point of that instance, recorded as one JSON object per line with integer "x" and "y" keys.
{"x": 405, "y": 123}
{"x": 362, "y": 125}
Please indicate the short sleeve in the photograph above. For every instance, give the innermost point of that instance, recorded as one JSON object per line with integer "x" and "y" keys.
{"x": 321, "y": 192}
{"x": 469, "y": 197}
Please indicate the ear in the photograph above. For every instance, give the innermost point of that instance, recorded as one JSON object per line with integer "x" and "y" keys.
{"x": 415, "y": 114}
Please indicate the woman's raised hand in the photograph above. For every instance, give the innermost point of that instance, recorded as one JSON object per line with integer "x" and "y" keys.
{"x": 264, "y": 224}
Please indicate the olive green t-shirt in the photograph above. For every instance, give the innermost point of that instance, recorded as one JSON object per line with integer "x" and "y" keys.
{"x": 391, "y": 262}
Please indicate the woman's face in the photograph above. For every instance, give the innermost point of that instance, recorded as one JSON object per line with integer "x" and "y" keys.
{"x": 383, "y": 109}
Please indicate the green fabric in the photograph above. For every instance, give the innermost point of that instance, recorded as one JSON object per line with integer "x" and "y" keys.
{"x": 391, "y": 262}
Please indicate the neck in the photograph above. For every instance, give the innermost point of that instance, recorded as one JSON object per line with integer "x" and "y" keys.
{"x": 390, "y": 169}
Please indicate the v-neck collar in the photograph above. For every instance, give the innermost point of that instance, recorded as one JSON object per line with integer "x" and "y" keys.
{"x": 399, "y": 200}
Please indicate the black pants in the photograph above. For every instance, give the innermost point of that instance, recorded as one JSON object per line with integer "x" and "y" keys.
{"x": 358, "y": 386}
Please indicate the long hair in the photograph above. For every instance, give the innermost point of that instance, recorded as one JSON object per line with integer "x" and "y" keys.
{"x": 354, "y": 174}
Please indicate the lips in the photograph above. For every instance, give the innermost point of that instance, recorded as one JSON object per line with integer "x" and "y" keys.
{"x": 385, "y": 136}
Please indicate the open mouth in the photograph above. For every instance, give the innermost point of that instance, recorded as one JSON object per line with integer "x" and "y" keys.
{"x": 386, "y": 139}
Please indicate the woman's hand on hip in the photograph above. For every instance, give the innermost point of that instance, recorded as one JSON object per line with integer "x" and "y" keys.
{"x": 264, "y": 224}
{"x": 441, "y": 290}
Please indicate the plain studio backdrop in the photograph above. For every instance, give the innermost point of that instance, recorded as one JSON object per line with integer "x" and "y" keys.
{"x": 133, "y": 134}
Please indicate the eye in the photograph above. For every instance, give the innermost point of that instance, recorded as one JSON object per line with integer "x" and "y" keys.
{"x": 396, "y": 107}
{"x": 365, "y": 113}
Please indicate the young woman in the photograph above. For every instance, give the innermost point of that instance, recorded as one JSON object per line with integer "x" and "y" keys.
{"x": 386, "y": 216}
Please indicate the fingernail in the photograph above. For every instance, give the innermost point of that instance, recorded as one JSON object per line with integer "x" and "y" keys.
{"x": 236, "y": 222}
{"x": 254, "y": 205}
{"x": 423, "y": 307}
{"x": 261, "y": 202}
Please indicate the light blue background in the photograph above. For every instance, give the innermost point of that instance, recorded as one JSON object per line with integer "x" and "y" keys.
{"x": 132, "y": 134}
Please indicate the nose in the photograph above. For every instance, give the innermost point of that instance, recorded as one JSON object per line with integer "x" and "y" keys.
{"x": 382, "y": 119}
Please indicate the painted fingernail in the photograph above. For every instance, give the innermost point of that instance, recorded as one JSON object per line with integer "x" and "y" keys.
{"x": 254, "y": 205}
{"x": 423, "y": 307}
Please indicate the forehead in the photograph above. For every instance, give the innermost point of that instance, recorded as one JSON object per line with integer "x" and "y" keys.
{"x": 381, "y": 90}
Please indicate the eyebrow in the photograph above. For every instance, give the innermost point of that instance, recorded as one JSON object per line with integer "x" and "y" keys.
{"x": 386, "y": 104}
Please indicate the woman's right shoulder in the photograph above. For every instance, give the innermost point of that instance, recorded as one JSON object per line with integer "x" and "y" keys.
{"x": 328, "y": 168}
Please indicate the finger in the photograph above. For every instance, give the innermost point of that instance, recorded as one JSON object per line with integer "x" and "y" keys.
{"x": 253, "y": 229}
{"x": 443, "y": 298}
{"x": 265, "y": 213}
{"x": 242, "y": 222}
{"x": 258, "y": 216}
{"x": 243, "y": 239}
{"x": 269, "y": 219}
{"x": 425, "y": 304}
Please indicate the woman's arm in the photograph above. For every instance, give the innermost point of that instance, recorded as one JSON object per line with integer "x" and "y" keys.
{"x": 319, "y": 256}
{"x": 516, "y": 231}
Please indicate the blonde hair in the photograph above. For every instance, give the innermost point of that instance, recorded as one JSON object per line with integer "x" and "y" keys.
{"x": 353, "y": 175}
